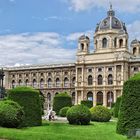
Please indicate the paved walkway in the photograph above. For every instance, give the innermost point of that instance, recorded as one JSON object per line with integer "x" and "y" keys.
{"x": 61, "y": 119}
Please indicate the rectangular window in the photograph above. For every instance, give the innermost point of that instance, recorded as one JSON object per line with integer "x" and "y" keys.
{"x": 136, "y": 69}
{"x": 79, "y": 70}
{"x": 90, "y": 70}
{"x": 110, "y": 69}
{"x": 99, "y": 69}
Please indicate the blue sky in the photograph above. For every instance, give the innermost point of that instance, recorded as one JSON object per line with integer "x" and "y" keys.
{"x": 46, "y": 31}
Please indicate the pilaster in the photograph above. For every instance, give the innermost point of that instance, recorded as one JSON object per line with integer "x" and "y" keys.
{"x": 104, "y": 99}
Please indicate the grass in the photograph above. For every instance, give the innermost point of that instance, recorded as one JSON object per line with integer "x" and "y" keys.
{"x": 64, "y": 131}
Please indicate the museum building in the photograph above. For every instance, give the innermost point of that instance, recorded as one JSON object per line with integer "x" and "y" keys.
{"x": 97, "y": 76}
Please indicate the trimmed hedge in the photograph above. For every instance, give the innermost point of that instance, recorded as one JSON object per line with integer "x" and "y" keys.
{"x": 112, "y": 111}
{"x": 87, "y": 103}
{"x": 61, "y": 100}
{"x": 42, "y": 101}
{"x": 117, "y": 107}
{"x": 100, "y": 114}
{"x": 11, "y": 114}
{"x": 129, "y": 115}
{"x": 63, "y": 111}
{"x": 29, "y": 99}
{"x": 79, "y": 114}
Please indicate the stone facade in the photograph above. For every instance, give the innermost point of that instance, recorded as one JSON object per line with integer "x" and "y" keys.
{"x": 96, "y": 76}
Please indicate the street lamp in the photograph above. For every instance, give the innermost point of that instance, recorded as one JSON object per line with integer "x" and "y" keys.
{"x": 2, "y": 91}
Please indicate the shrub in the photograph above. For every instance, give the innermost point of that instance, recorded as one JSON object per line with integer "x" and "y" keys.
{"x": 112, "y": 105}
{"x": 117, "y": 107}
{"x": 100, "y": 114}
{"x": 129, "y": 115}
{"x": 61, "y": 100}
{"x": 87, "y": 103}
{"x": 99, "y": 104}
{"x": 79, "y": 114}
{"x": 42, "y": 101}
{"x": 111, "y": 111}
{"x": 11, "y": 114}
{"x": 29, "y": 99}
{"x": 63, "y": 111}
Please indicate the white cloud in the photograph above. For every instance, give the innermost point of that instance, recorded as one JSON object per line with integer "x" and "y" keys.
{"x": 76, "y": 35}
{"x": 123, "y": 5}
{"x": 35, "y": 48}
{"x": 46, "y": 47}
{"x": 134, "y": 30}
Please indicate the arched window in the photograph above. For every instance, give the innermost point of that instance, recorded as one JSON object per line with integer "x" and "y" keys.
{"x": 82, "y": 46}
{"x": 99, "y": 98}
{"x": 20, "y": 83}
{"x": 90, "y": 96}
{"x": 34, "y": 83}
{"x": 110, "y": 79}
{"x": 115, "y": 42}
{"x": 49, "y": 101}
{"x": 100, "y": 80}
{"x": 73, "y": 81}
{"x": 27, "y": 82}
{"x": 13, "y": 84}
{"x": 96, "y": 44}
{"x": 120, "y": 43}
{"x": 134, "y": 51}
{"x": 56, "y": 93}
{"x": 49, "y": 82}
{"x": 90, "y": 80}
{"x": 110, "y": 98}
{"x": 57, "y": 82}
{"x": 66, "y": 82}
{"x": 41, "y": 83}
{"x": 104, "y": 43}
{"x": 73, "y": 98}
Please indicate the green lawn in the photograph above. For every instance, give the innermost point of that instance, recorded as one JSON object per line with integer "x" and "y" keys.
{"x": 64, "y": 131}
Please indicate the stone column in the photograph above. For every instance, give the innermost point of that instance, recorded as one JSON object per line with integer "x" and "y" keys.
{"x": 30, "y": 79}
{"x": 110, "y": 42}
{"x": 94, "y": 98}
{"x": 76, "y": 80}
{"x": 82, "y": 95}
{"x": 45, "y": 80}
{"x": 114, "y": 75}
{"x": 124, "y": 42}
{"x": 104, "y": 98}
{"x": 100, "y": 43}
{"x": 37, "y": 80}
{"x": 122, "y": 72}
{"x": 83, "y": 76}
{"x": 104, "y": 77}
{"x": 76, "y": 97}
{"x": 94, "y": 77}
{"x": 115, "y": 97}
{"x": 117, "y": 43}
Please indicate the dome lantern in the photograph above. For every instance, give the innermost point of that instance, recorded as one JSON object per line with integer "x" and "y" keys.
{"x": 111, "y": 12}
{"x": 111, "y": 22}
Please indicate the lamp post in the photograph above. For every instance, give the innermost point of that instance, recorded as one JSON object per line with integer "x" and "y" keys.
{"x": 2, "y": 91}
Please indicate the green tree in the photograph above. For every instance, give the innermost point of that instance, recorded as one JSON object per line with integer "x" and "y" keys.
{"x": 29, "y": 99}
{"x": 61, "y": 100}
{"x": 117, "y": 107}
{"x": 129, "y": 115}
